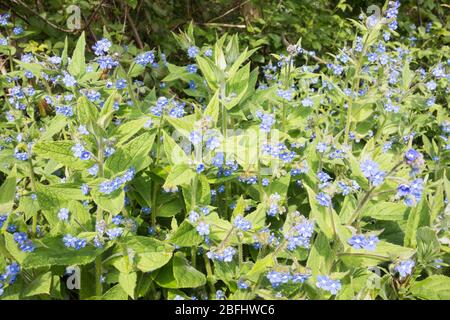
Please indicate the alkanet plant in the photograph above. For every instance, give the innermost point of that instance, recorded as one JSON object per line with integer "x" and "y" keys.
{"x": 312, "y": 178}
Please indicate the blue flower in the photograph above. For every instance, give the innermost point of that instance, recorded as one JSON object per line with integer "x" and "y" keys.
{"x": 93, "y": 170}
{"x": 101, "y": 47}
{"x": 158, "y": 109}
{"x": 327, "y": 284}
{"x": 3, "y": 218}
{"x": 69, "y": 81}
{"x": 209, "y": 52}
{"x": 145, "y": 58}
{"x": 191, "y": 68}
{"x": 267, "y": 120}
{"x": 63, "y": 214}
{"x": 242, "y": 284}
{"x": 23, "y": 156}
{"x": 200, "y": 168}
{"x": 4, "y": 19}
{"x": 226, "y": 255}
{"x": 323, "y": 199}
{"x": 371, "y": 171}
{"x": 242, "y": 224}
{"x": 74, "y": 242}
{"x": 79, "y": 152}
{"x": 24, "y": 243}
{"x": 193, "y": 51}
{"x": 203, "y": 229}
{"x": 363, "y": 242}
{"x": 114, "y": 233}
{"x": 278, "y": 278}
{"x": 55, "y": 60}
{"x": 117, "y": 219}
{"x": 404, "y": 268}
{"x": 121, "y": 84}
{"x": 287, "y": 94}
{"x": 195, "y": 137}
{"x": 411, "y": 155}
{"x": 107, "y": 62}
{"x": 64, "y": 110}
{"x": 193, "y": 216}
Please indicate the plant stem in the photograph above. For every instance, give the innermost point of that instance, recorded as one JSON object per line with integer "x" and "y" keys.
{"x": 367, "y": 196}
{"x": 241, "y": 254}
{"x": 209, "y": 274}
{"x": 98, "y": 275}
{"x": 194, "y": 256}
{"x": 330, "y": 210}
{"x": 193, "y": 205}
{"x": 355, "y": 89}
{"x": 224, "y": 134}
{"x": 99, "y": 217}
{"x": 154, "y": 205}
{"x": 33, "y": 187}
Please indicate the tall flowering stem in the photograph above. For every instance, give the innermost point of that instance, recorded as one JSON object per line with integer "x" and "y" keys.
{"x": 368, "y": 195}
{"x": 99, "y": 217}
{"x": 33, "y": 188}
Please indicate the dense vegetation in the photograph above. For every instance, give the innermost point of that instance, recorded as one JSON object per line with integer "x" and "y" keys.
{"x": 224, "y": 150}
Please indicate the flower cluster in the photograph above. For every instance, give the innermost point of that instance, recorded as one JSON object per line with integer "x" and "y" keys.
{"x": 277, "y": 278}
{"x": 360, "y": 241}
{"x": 225, "y": 255}
{"x": 9, "y": 276}
{"x": 404, "y": 268}
{"x": 109, "y": 186}
{"x": 371, "y": 170}
{"x": 25, "y": 244}
{"x": 300, "y": 233}
{"x": 242, "y": 224}
{"x": 411, "y": 193}
{"x": 74, "y": 242}
{"x": 327, "y": 284}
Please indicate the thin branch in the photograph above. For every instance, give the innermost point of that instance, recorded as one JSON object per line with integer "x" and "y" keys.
{"x": 133, "y": 28}
{"x": 93, "y": 15}
{"x": 225, "y": 25}
{"x": 21, "y": 3}
{"x": 229, "y": 11}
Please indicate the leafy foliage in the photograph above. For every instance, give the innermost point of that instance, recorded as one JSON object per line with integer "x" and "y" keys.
{"x": 227, "y": 171}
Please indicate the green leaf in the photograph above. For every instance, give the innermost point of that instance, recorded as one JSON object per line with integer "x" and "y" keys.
{"x": 128, "y": 129}
{"x": 435, "y": 287}
{"x": 181, "y": 174}
{"x": 115, "y": 293}
{"x": 87, "y": 114}
{"x": 151, "y": 254}
{"x": 52, "y": 252}
{"x": 321, "y": 214}
{"x": 213, "y": 108}
{"x": 13, "y": 248}
{"x": 112, "y": 203}
{"x": 419, "y": 216}
{"x": 107, "y": 111}
{"x": 77, "y": 65}
{"x": 427, "y": 243}
{"x": 174, "y": 153}
{"x": 186, "y": 236}
{"x": 40, "y": 285}
{"x": 260, "y": 267}
{"x": 128, "y": 282}
{"x": 209, "y": 71}
{"x": 180, "y": 274}
{"x": 321, "y": 256}
{"x": 61, "y": 152}
{"x": 7, "y": 192}
{"x": 135, "y": 154}
{"x": 388, "y": 211}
